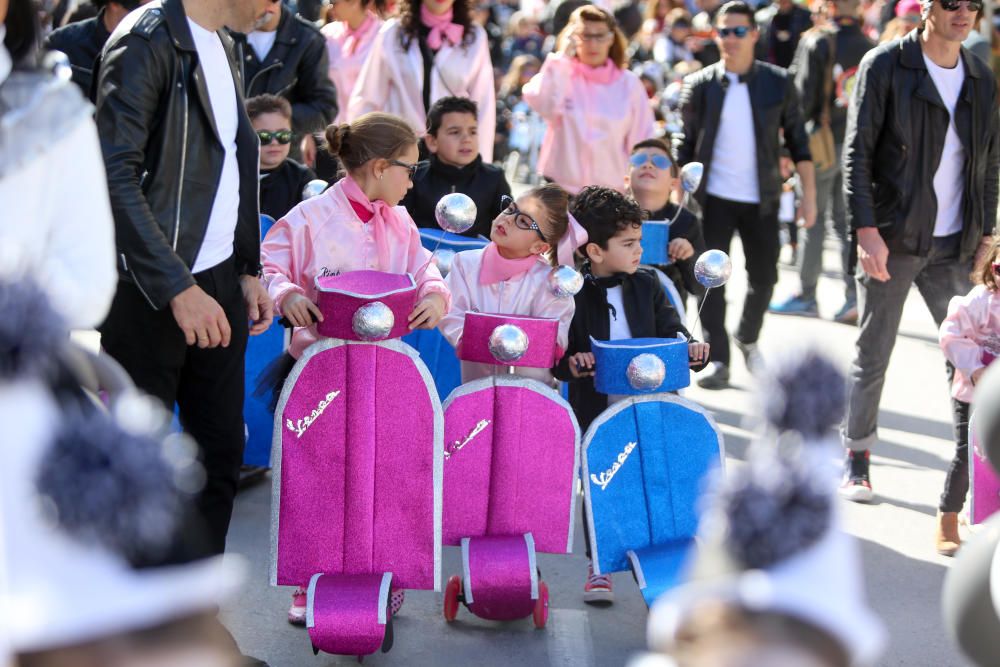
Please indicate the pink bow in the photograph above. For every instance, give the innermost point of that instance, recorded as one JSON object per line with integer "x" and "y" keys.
{"x": 441, "y": 28}
{"x": 575, "y": 237}
{"x": 353, "y": 37}
{"x": 382, "y": 214}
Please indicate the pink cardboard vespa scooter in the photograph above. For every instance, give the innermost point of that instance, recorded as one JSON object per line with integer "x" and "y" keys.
{"x": 511, "y": 457}
{"x": 357, "y": 466}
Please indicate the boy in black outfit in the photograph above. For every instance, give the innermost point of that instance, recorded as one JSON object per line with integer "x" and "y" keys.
{"x": 282, "y": 179}
{"x": 455, "y": 166}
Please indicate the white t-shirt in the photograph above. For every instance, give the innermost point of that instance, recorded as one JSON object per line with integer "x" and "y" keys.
{"x": 949, "y": 179}
{"x": 616, "y": 317}
{"x": 733, "y": 173}
{"x": 218, "y": 243}
{"x": 262, "y": 42}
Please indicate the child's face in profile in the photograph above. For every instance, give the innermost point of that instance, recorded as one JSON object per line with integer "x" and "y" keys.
{"x": 511, "y": 230}
{"x": 273, "y": 153}
{"x": 622, "y": 255}
{"x": 457, "y": 140}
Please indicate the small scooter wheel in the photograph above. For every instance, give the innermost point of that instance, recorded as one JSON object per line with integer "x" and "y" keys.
{"x": 451, "y": 594}
{"x": 541, "y": 613}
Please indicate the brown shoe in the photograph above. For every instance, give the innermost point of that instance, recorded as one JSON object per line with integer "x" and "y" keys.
{"x": 948, "y": 540}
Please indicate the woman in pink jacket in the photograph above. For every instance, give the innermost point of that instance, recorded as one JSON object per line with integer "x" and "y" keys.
{"x": 431, "y": 51}
{"x": 596, "y": 109}
{"x": 349, "y": 39}
{"x": 970, "y": 340}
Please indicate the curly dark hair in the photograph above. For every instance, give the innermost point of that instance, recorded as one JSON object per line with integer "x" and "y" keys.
{"x": 409, "y": 21}
{"x": 604, "y": 212}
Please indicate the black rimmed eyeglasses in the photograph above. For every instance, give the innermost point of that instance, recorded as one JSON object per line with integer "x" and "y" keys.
{"x": 412, "y": 168}
{"x": 521, "y": 219}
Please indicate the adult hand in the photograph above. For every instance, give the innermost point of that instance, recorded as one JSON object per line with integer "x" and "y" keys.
{"x": 873, "y": 253}
{"x": 260, "y": 307}
{"x": 680, "y": 249}
{"x": 697, "y": 353}
{"x": 308, "y": 147}
{"x": 807, "y": 212}
{"x": 581, "y": 364}
{"x": 299, "y": 310}
{"x": 201, "y": 318}
{"x": 428, "y": 312}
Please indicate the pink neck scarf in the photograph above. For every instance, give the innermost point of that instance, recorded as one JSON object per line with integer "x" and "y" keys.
{"x": 605, "y": 74}
{"x": 353, "y": 38}
{"x": 496, "y": 267}
{"x": 441, "y": 28}
{"x": 381, "y": 215}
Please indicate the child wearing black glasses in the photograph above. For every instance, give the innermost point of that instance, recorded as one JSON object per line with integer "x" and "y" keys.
{"x": 510, "y": 275}
{"x": 282, "y": 179}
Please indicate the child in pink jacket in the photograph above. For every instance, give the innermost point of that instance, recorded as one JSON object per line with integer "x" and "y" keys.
{"x": 350, "y": 37}
{"x": 970, "y": 340}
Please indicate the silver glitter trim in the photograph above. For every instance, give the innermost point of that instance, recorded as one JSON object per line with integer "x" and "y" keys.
{"x": 466, "y": 572}
{"x": 532, "y": 564}
{"x": 383, "y": 596}
{"x": 311, "y": 599}
{"x": 405, "y": 288}
{"x": 637, "y": 569}
{"x": 548, "y": 392}
{"x": 608, "y": 414}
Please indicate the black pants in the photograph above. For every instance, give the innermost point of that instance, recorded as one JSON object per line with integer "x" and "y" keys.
{"x": 956, "y": 482}
{"x": 759, "y": 235}
{"x": 206, "y": 384}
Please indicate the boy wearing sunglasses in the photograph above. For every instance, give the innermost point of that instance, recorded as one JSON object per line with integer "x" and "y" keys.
{"x": 282, "y": 179}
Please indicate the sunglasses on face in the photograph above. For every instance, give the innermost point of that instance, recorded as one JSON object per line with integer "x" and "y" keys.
{"x": 411, "y": 168}
{"x": 521, "y": 219}
{"x": 739, "y": 32}
{"x": 661, "y": 162}
{"x": 283, "y": 136}
{"x": 952, "y": 5}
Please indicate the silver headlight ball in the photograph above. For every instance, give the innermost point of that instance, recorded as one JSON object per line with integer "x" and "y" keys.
{"x": 58, "y": 63}
{"x": 691, "y": 176}
{"x": 314, "y": 188}
{"x": 672, "y": 95}
{"x": 713, "y": 268}
{"x": 455, "y": 213}
{"x": 565, "y": 281}
{"x": 508, "y": 343}
{"x": 443, "y": 260}
{"x": 646, "y": 372}
{"x": 373, "y": 321}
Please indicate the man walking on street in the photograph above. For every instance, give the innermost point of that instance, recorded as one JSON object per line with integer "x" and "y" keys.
{"x": 921, "y": 164}
{"x": 734, "y": 113}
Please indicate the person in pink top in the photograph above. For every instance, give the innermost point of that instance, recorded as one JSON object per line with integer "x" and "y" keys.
{"x": 970, "y": 340}
{"x": 596, "y": 109}
{"x": 349, "y": 39}
{"x": 509, "y": 276}
{"x": 431, "y": 51}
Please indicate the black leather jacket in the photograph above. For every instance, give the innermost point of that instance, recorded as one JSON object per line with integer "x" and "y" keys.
{"x": 896, "y": 129}
{"x": 163, "y": 155}
{"x": 775, "y": 106}
{"x": 295, "y": 68}
{"x": 82, "y": 43}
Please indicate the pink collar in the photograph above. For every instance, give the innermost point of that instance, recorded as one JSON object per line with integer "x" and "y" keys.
{"x": 605, "y": 74}
{"x": 496, "y": 267}
{"x": 441, "y": 28}
{"x": 352, "y": 38}
{"x": 377, "y": 210}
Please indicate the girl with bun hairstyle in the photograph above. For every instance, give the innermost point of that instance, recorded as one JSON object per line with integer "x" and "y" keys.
{"x": 595, "y": 108}
{"x": 355, "y": 225}
{"x": 432, "y": 50}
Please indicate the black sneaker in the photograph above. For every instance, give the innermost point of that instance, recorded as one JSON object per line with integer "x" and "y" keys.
{"x": 856, "y": 485}
{"x": 716, "y": 376}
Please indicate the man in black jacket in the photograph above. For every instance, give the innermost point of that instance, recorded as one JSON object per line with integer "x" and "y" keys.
{"x": 181, "y": 159}
{"x": 781, "y": 25}
{"x": 82, "y": 42}
{"x": 825, "y": 65}
{"x": 734, "y": 114}
{"x": 286, "y": 56}
{"x": 921, "y": 163}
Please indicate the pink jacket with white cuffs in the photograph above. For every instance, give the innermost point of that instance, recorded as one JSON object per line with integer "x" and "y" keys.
{"x": 325, "y": 236}
{"x": 970, "y": 336}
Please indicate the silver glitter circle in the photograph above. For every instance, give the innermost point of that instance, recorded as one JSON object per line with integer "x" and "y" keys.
{"x": 314, "y": 188}
{"x": 672, "y": 95}
{"x": 565, "y": 281}
{"x": 373, "y": 321}
{"x": 455, "y": 213}
{"x": 443, "y": 260}
{"x": 508, "y": 343}
{"x": 713, "y": 268}
{"x": 691, "y": 176}
{"x": 646, "y": 372}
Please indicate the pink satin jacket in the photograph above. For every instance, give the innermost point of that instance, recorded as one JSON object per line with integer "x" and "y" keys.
{"x": 347, "y": 55}
{"x": 970, "y": 336}
{"x": 591, "y": 126}
{"x": 325, "y": 236}
{"x": 392, "y": 80}
{"x": 525, "y": 295}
